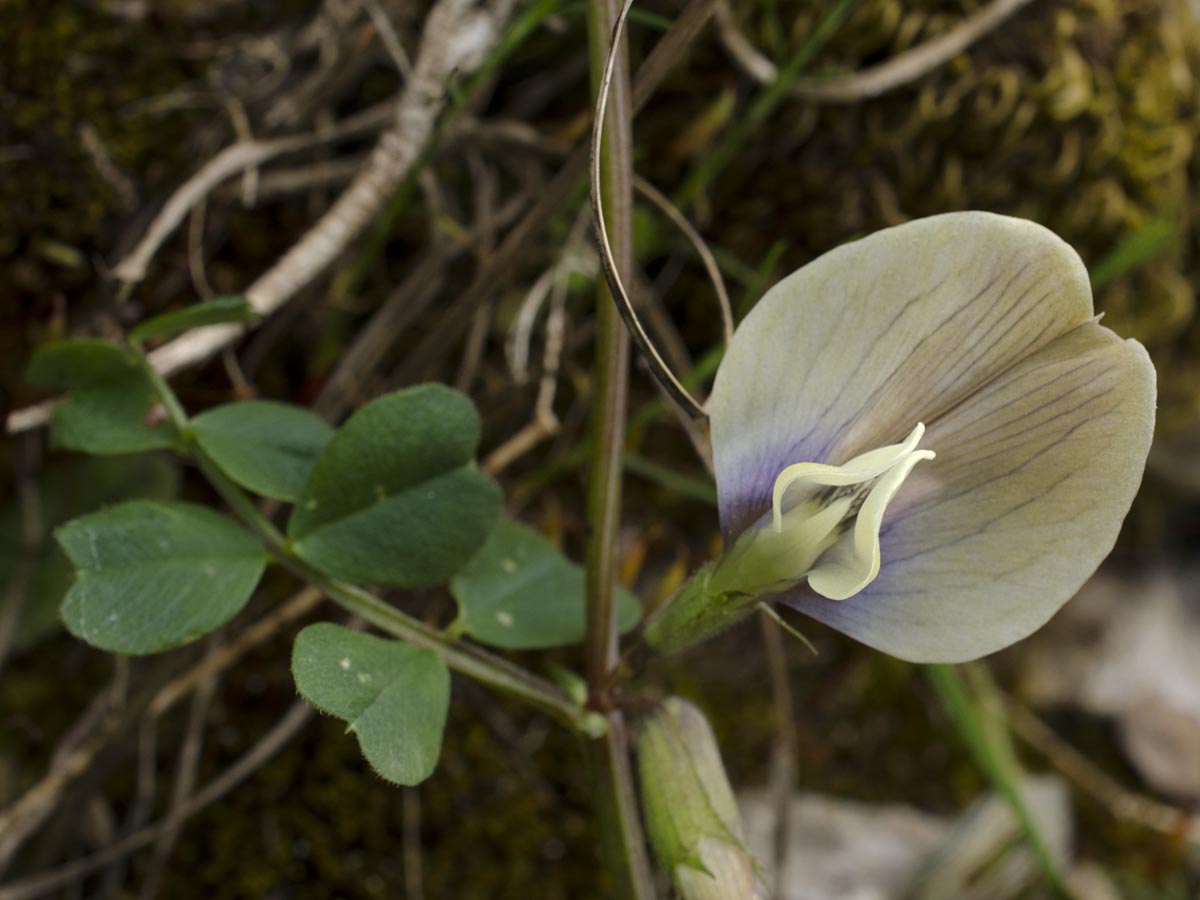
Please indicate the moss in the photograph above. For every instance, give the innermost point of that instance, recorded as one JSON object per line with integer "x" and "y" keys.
{"x": 1080, "y": 115}
{"x": 66, "y": 66}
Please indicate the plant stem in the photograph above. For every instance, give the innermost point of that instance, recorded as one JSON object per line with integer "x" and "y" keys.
{"x": 612, "y": 365}
{"x": 238, "y": 500}
{"x": 475, "y": 662}
{"x": 166, "y": 396}
{"x": 624, "y": 845}
{"x": 467, "y": 659}
{"x": 624, "y": 842}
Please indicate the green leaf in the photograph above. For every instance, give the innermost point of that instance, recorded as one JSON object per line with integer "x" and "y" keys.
{"x": 110, "y": 417}
{"x": 151, "y": 576}
{"x": 106, "y": 409}
{"x": 394, "y": 697}
{"x": 217, "y": 311}
{"x": 65, "y": 365}
{"x": 33, "y": 569}
{"x": 395, "y": 499}
{"x": 267, "y": 447}
{"x": 521, "y": 593}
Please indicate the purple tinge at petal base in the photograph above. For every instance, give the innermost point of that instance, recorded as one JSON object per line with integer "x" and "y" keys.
{"x": 854, "y": 349}
{"x": 1033, "y": 477}
{"x": 981, "y": 327}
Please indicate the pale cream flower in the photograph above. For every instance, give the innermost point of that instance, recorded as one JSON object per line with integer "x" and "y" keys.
{"x": 924, "y": 439}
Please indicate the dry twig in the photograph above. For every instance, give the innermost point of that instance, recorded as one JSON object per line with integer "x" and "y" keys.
{"x": 501, "y": 265}
{"x": 92, "y": 731}
{"x": 186, "y": 771}
{"x": 544, "y": 423}
{"x": 902, "y": 69}
{"x": 118, "y": 181}
{"x": 272, "y": 742}
{"x": 1120, "y": 802}
{"x": 234, "y": 160}
{"x": 96, "y": 728}
{"x": 403, "y": 306}
{"x": 457, "y": 35}
{"x": 388, "y": 37}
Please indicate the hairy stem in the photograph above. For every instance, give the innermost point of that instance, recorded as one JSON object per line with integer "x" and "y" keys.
{"x": 612, "y": 364}
{"x": 467, "y": 659}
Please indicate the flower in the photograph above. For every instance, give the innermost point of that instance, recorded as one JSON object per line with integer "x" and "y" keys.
{"x": 689, "y": 808}
{"x": 1027, "y": 422}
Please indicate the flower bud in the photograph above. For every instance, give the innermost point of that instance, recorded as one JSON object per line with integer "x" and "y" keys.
{"x": 689, "y": 808}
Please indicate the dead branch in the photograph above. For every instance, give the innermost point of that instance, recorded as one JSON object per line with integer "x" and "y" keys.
{"x": 457, "y": 36}
{"x": 1118, "y": 801}
{"x": 902, "y": 69}
{"x": 272, "y": 742}
{"x": 544, "y": 423}
{"x": 28, "y": 812}
{"x": 500, "y": 266}
{"x": 186, "y": 774}
{"x": 233, "y": 160}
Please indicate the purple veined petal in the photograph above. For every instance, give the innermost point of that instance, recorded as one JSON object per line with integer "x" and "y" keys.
{"x": 854, "y": 349}
{"x": 1033, "y": 477}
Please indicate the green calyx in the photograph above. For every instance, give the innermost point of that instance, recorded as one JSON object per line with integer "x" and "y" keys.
{"x": 697, "y": 611}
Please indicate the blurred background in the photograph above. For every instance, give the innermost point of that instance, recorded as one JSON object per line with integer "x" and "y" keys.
{"x": 781, "y": 129}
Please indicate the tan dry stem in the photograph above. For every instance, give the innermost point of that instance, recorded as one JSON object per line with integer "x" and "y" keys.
{"x": 458, "y": 35}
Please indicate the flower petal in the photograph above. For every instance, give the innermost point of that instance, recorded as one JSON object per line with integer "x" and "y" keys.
{"x": 805, "y": 480}
{"x": 1032, "y": 479}
{"x": 853, "y": 562}
{"x": 849, "y": 352}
